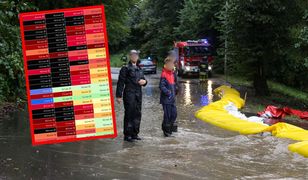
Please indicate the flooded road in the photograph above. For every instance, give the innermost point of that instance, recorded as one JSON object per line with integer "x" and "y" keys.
{"x": 198, "y": 150}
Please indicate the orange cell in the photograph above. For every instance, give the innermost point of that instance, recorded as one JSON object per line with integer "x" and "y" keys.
{"x": 94, "y": 76}
{"x": 95, "y": 36}
{"x": 45, "y": 136}
{"x": 36, "y": 52}
{"x": 100, "y": 115}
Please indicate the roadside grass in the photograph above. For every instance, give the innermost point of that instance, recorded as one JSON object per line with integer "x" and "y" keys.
{"x": 274, "y": 87}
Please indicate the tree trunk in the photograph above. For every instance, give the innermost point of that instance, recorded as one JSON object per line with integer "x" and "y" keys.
{"x": 260, "y": 83}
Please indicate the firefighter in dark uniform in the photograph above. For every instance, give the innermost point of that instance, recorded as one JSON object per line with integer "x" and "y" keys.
{"x": 203, "y": 69}
{"x": 131, "y": 79}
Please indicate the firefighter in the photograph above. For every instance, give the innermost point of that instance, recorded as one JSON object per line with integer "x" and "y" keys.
{"x": 172, "y": 56}
{"x": 168, "y": 88}
{"x": 131, "y": 80}
{"x": 203, "y": 69}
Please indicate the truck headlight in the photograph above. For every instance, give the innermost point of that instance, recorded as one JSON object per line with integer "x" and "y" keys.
{"x": 187, "y": 68}
{"x": 210, "y": 67}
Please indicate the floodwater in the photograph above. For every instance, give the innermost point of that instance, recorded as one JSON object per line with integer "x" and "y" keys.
{"x": 198, "y": 150}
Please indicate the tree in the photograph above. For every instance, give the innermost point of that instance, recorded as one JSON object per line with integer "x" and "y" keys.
{"x": 12, "y": 84}
{"x": 156, "y": 22}
{"x": 198, "y": 20}
{"x": 256, "y": 32}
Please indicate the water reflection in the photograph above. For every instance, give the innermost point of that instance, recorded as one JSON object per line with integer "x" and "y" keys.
{"x": 210, "y": 90}
{"x": 187, "y": 93}
{"x": 206, "y": 93}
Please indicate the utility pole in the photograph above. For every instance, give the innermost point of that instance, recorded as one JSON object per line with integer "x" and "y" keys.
{"x": 226, "y": 43}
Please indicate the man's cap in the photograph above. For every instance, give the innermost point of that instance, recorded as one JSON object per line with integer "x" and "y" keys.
{"x": 133, "y": 51}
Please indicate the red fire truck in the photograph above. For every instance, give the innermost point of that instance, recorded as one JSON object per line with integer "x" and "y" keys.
{"x": 189, "y": 55}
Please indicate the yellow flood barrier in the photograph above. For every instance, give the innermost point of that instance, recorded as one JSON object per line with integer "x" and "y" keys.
{"x": 217, "y": 115}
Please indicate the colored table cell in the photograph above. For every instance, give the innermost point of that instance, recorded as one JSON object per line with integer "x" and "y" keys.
{"x": 36, "y": 52}
{"x": 73, "y": 13}
{"x": 33, "y": 17}
{"x": 94, "y": 26}
{"x": 92, "y": 11}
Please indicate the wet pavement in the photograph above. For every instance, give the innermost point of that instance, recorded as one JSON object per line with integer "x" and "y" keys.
{"x": 198, "y": 150}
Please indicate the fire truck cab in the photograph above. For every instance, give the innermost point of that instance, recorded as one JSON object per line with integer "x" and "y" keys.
{"x": 189, "y": 55}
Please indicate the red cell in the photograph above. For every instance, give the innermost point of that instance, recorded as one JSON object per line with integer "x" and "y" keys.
{"x": 78, "y": 58}
{"x": 65, "y": 123}
{"x": 94, "y": 31}
{"x": 76, "y": 43}
{"x": 76, "y": 38}
{"x": 37, "y": 57}
{"x": 37, "y": 46}
{"x": 58, "y": 54}
{"x": 83, "y": 107}
{"x": 63, "y": 104}
{"x": 66, "y": 128}
{"x": 44, "y": 125}
{"x": 42, "y": 106}
{"x": 34, "y": 27}
{"x": 93, "y": 21}
{"x": 79, "y": 67}
{"x": 60, "y": 94}
{"x": 66, "y": 133}
{"x": 91, "y": 16}
{"x": 81, "y": 82}
{"x": 73, "y": 13}
{"x": 75, "y": 28}
{"x": 44, "y": 120}
{"x": 87, "y": 71}
{"x": 39, "y": 71}
{"x": 39, "y": 96}
{"x": 86, "y": 131}
{"x": 88, "y": 111}
{"x": 73, "y": 33}
{"x": 35, "y": 42}
{"x": 33, "y": 17}
{"x": 93, "y": 46}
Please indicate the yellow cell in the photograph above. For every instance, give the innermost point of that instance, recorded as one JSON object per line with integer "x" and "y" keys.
{"x": 99, "y": 105}
{"x": 85, "y": 126}
{"x": 96, "y": 53}
{"x": 99, "y": 71}
{"x": 80, "y": 102}
{"x": 101, "y": 100}
{"x": 99, "y": 80}
{"x": 85, "y": 121}
{"x": 81, "y": 92}
{"x": 101, "y": 115}
{"x": 101, "y": 110}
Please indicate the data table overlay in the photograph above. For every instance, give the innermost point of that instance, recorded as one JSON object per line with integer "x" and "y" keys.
{"x": 67, "y": 73}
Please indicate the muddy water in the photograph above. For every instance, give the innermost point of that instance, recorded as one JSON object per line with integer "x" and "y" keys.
{"x": 198, "y": 150}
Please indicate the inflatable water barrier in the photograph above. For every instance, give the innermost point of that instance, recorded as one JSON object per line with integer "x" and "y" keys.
{"x": 224, "y": 114}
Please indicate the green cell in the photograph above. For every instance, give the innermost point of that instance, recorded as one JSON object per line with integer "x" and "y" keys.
{"x": 63, "y": 99}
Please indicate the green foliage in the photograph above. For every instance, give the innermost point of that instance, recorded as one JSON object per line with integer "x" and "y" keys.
{"x": 198, "y": 19}
{"x": 153, "y": 26}
{"x": 11, "y": 67}
{"x": 256, "y": 33}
